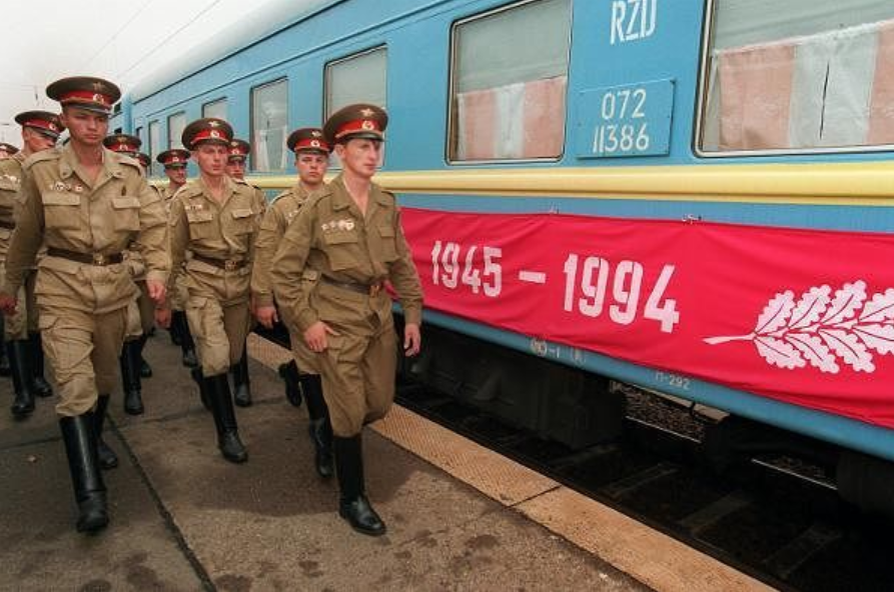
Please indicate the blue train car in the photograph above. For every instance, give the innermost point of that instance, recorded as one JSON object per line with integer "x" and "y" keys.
{"x": 693, "y": 196}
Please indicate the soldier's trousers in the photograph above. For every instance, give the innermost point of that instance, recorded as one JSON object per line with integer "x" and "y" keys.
{"x": 219, "y": 332}
{"x": 83, "y": 349}
{"x": 140, "y": 313}
{"x": 357, "y": 371}
{"x": 24, "y": 320}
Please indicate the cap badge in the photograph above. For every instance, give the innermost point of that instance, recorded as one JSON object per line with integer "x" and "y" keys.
{"x": 215, "y": 134}
{"x": 213, "y": 123}
{"x": 175, "y": 159}
{"x": 315, "y": 134}
{"x": 368, "y": 125}
{"x": 98, "y": 98}
{"x": 315, "y": 143}
{"x": 366, "y": 112}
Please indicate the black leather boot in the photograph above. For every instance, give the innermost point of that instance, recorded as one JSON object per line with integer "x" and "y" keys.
{"x": 130, "y": 377}
{"x": 79, "y": 436}
{"x": 145, "y": 368}
{"x": 4, "y": 361}
{"x": 42, "y": 388}
{"x": 289, "y": 373}
{"x": 106, "y": 456}
{"x": 353, "y": 505}
{"x": 241, "y": 383}
{"x": 174, "y": 329}
{"x": 199, "y": 379}
{"x": 18, "y": 352}
{"x": 187, "y": 345}
{"x": 228, "y": 441}
{"x": 320, "y": 428}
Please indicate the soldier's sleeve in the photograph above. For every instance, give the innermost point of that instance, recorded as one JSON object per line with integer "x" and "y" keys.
{"x": 292, "y": 283}
{"x": 27, "y": 236}
{"x": 152, "y": 240}
{"x": 272, "y": 228}
{"x": 178, "y": 238}
{"x": 404, "y": 277}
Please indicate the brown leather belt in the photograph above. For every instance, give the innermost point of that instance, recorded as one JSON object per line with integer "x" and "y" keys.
{"x": 97, "y": 259}
{"x": 370, "y": 289}
{"x": 225, "y": 264}
{"x": 8, "y": 225}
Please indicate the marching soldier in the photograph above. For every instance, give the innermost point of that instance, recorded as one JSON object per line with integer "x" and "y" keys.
{"x": 328, "y": 274}
{"x": 174, "y": 162}
{"x": 216, "y": 218}
{"x": 238, "y": 152}
{"x": 312, "y": 161}
{"x": 7, "y": 150}
{"x": 40, "y": 130}
{"x": 141, "y": 312}
{"x": 86, "y": 205}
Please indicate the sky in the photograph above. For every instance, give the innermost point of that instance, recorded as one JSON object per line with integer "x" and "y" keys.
{"x": 120, "y": 40}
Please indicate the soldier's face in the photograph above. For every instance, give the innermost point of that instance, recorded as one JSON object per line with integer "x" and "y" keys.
{"x": 177, "y": 175}
{"x": 35, "y": 141}
{"x": 86, "y": 127}
{"x": 361, "y": 156}
{"x": 311, "y": 167}
{"x": 236, "y": 169}
{"x": 212, "y": 159}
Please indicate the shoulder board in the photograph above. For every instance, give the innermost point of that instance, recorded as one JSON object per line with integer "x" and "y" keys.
{"x": 124, "y": 159}
{"x": 285, "y": 193}
{"x": 188, "y": 190}
{"x": 43, "y": 155}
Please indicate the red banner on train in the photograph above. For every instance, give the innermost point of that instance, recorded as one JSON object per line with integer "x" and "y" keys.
{"x": 802, "y": 316}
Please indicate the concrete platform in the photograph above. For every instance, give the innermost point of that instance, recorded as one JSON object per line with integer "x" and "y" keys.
{"x": 185, "y": 519}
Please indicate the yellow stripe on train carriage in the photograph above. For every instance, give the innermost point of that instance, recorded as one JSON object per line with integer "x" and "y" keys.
{"x": 848, "y": 184}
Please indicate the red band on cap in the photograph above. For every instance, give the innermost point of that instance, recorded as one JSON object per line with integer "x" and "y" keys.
{"x": 236, "y": 151}
{"x": 358, "y": 125}
{"x": 42, "y": 124}
{"x": 311, "y": 144}
{"x": 211, "y": 134}
{"x": 85, "y": 96}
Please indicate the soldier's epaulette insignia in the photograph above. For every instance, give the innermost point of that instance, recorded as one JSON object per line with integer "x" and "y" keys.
{"x": 285, "y": 193}
{"x": 43, "y": 155}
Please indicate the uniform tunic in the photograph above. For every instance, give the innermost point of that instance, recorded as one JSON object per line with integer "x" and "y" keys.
{"x": 276, "y": 220}
{"x": 217, "y": 306}
{"x": 24, "y": 320}
{"x": 329, "y": 241}
{"x": 83, "y": 307}
{"x": 177, "y": 295}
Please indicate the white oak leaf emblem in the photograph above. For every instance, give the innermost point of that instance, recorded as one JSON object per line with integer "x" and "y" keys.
{"x": 823, "y": 330}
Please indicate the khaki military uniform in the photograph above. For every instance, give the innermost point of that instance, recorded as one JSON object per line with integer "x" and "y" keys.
{"x": 83, "y": 306}
{"x": 276, "y": 220}
{"x": 24, "y": 321}
{"x": 178, "y": 294}
{"x": 221, "y": 237}
{"x": 141, "y": 312}
{"x": 329, "y": 255}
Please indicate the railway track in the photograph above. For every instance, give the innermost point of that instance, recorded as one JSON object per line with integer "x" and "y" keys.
{"x": 776, "y": 520}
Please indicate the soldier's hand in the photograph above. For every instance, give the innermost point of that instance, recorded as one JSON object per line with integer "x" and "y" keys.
{"x": 266, "y": 315}
{"x": 7, "y": 303}
{"x": 163, "y": 317}
{"x": 156, "y": 291}
{"x": 412, "y": 339}
{"x": 315, "y": 336}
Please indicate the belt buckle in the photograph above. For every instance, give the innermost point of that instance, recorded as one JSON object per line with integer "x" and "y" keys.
{"x": 99, "y": 259}
{"x": 375, "y": 289}
{"x": 230, "y": 264}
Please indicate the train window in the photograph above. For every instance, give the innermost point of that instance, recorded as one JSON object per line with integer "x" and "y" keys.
{"x": 154, "y": 146}
{"x": 356, "y": 79}
{"x": 797, "y": 76}
{"x": 216, "y": 108}
{"x": 176, "y": 124}
{"x": 359, "y": 78}
{"x": 269, "y": 122}
{"x": 508, "y": 85}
